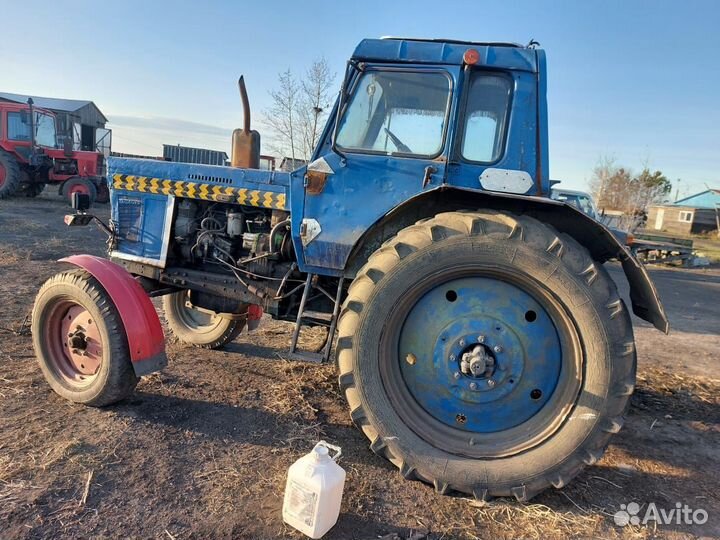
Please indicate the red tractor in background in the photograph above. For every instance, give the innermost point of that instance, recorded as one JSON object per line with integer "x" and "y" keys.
{"x": 30, "y": 157}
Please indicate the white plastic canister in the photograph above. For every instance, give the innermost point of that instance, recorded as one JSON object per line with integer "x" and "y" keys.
{"x": 313, "y": 491}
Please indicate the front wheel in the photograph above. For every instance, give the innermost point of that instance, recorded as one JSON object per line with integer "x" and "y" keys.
{"x": 79, "y": 185}
{"x": 485, "y": 353}
{"x": 80, "y": 342}
{"x": 198, "y": 328}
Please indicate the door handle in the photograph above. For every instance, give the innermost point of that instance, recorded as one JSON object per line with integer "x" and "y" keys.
{"x": 429, "y": 171}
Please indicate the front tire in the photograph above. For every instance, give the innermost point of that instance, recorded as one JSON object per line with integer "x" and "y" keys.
{"x": 197, "y": 328}
{"x": 80, "y": 341}
{"x": 485, "y": 353}
{"x": 77, "y": 184}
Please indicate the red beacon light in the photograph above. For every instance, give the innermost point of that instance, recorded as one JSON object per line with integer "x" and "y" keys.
{"x": 471, "y": 57}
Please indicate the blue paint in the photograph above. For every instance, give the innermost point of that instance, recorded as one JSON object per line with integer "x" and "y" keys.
{"x": 437, "y": 331}
{"x": 441, "y": 52}
{"x": 139, "y": 220}
{"x": 365, "y": 187}
{"x": 275, "y": 181}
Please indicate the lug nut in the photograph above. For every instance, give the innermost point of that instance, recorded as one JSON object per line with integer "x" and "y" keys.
{"x": 473, "y": 386}
{"x": 452, "y": 357}
{"x": 462, "y": 342}
{"x": 456, "y": 374}
{"x": 481, "y": 339}
{"x": 411, "y": 359}
{"x": 491, "y": 383}
{"x": 497, "y": 349}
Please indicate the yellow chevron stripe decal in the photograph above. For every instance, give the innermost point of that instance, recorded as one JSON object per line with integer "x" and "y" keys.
{"x": 206, "y": 192}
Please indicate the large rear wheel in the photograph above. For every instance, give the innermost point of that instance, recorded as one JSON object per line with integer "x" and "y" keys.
{"x": 485, "y": 353}
{"x": 9, "y": 174}
{"x": 198, "y": 328}
{"x": 80, "y": 342}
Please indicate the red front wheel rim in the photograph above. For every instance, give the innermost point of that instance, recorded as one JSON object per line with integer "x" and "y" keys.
{"x": 74, "y": 343}
{"x": 78, "y": 188}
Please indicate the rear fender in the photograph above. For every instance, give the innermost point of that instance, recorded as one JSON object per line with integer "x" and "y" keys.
{"x": 142, "y": 325}
{"x": 593, "y": 235}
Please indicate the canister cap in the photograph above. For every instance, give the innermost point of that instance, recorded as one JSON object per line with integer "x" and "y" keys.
{"x": 321, "y": 453}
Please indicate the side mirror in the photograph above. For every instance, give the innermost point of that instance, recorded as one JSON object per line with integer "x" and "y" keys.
{"x": 80, "y": 202}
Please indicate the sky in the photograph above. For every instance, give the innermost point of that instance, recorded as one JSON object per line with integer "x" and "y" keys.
{"x": 633, "y": 80}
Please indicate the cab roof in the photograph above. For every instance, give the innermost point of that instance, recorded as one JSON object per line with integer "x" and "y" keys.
{"x": 445, "y": 51}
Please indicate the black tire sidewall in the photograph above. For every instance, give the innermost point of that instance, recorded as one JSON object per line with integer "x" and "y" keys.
{"x": 567, "y": 287}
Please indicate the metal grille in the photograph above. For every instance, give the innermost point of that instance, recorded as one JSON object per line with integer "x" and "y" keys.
{"x": 130, "y": 212}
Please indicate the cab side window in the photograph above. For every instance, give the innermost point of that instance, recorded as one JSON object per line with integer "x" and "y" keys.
{"x": 486, "y": 116}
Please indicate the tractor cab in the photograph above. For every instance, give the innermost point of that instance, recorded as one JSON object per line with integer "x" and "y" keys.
{"x": 417, "y": 116}
{"x": 22, "y": 128}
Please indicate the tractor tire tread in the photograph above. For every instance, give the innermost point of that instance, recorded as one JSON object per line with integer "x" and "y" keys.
{"x": 12, "y": 174}
{"x": 227, "y": 331}
{"x": 513, "y": 228}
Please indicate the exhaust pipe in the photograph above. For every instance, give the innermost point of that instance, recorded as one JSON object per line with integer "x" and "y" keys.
{"x": 245, "y": 143}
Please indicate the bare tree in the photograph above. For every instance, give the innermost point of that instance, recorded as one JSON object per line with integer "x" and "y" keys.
{"x": 281, "y": 117}
{"x": 315, "y": 102}
{"x": 299, "y": 109}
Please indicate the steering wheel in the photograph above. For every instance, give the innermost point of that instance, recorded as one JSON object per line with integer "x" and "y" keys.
{"x": 397, "y": 142}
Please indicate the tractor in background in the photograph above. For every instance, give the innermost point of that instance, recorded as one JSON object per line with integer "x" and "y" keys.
{"x": 30, "y": 157}
{"x": 481, "y": 345}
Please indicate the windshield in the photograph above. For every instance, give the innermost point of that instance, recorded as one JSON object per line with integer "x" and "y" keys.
{"x": 396, "y": 112}
{"x": 19, "y": 128}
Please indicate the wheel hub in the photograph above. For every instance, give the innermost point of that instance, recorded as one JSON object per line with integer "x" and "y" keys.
{"x": 486, "y": 355}
{"x": 478, "y": 362}
{"x": 77, "y": 340}
{"x": 78, "y": 349}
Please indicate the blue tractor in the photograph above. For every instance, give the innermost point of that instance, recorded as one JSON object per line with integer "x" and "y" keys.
{"x": 481, "y": 345}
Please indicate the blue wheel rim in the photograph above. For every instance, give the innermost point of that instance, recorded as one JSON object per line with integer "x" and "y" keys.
{"x": 518, "y": 341}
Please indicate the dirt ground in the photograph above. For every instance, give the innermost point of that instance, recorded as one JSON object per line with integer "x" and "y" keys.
{"x": 202, "y": 448}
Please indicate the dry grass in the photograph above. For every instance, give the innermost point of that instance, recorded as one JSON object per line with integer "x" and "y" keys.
{"x": 290, "y": 399}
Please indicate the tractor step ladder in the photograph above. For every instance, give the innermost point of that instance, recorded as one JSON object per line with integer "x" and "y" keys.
{"x": 318, "y": 318}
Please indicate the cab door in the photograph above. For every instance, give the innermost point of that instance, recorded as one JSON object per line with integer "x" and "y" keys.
{"x": 496, "y": 140}
{"x": 391, "y": 145}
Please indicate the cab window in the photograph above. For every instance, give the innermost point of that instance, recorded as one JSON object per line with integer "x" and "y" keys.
{"x": 397, "y": 113}
{"x": 486, "y": 115}
{"x": 18, "y": 126}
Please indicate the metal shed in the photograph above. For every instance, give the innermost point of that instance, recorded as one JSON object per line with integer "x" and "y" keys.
{"x": 79, "y": 121}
